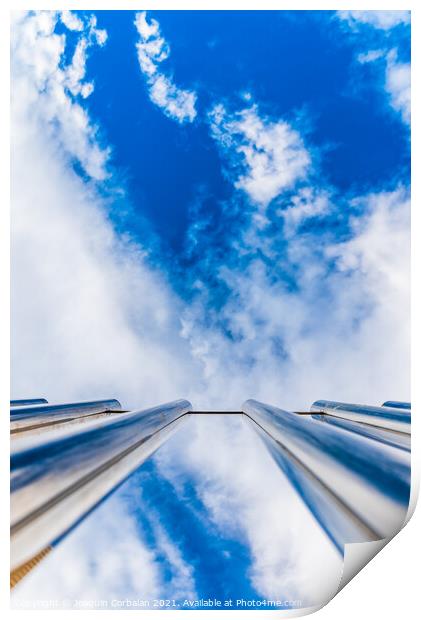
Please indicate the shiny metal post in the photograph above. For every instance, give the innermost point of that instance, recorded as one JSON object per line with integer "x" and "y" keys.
{"x": 385, "y": 417}
{"x": 397, "y": 404}
{"x": 40, "y": 416}
{"x": 383, "y": 435}
{"x": 356, "y": 488}
{"x": 56, "y": 482}
{"x": 27, "y": 401}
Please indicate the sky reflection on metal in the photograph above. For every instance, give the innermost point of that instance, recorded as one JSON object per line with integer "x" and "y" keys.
{"x": 211, "y": 509}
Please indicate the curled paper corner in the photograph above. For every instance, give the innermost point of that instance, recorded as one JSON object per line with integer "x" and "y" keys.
{"x": 358, "y": 555}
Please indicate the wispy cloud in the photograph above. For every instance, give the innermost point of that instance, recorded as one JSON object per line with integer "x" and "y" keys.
{"x": 383, "y": 20}
{"x": 397, "y": 79}
{"x": 269, "y": 156}
{"x": 71, "y": 20}
{"x": 370, "y": 56}
{"x": 398, "y": 85}
{"x": 42, "y": 74}
{"x": 152, "y": 49}
{"x": 75, "y": 71}
{"x": 395, "y": 74}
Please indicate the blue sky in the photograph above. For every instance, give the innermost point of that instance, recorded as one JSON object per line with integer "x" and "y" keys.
{"x": 211, "y": 205}
{"x": 301, "y": 67}
{"x": 294, "y": 64}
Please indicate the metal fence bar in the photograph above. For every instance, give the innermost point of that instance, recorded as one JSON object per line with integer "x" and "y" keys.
{"x": 56, "y": 482}
{"x": 356, "y": 488}
{"x": 385, "y": 417}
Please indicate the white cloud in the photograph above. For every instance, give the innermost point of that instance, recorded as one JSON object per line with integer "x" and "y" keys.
{"x": 71, "y": 20}
{"x": 398, "y": 85}
{"x": 152, "y": 49}
{"x": 370, "y": 56}
{"x": 178, "y": 104}
{"x": 307, "y": 203}
{"x": 270, "y": 155}
{"x": 397, "y": 80}
{"x": 383, "y": 20}
{"x": 42, "y": 77}
{"x": 379, "y": 250}
{"x": 396, "y": 75}
{"x": 150, "y": 30}
{"x": 64, "y": 249}
{"x": 75, "y": 72}
{"x": 290, "y": 342}
{"x": 99, "y": 35}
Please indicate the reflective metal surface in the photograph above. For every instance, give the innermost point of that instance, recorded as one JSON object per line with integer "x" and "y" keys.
{"x": 27, "y": 401}
{"x": 350, "y": 464}
{"x": 397, "y": 404}
{"x": 357, "y": 489}
{"x": 385, "y": 417}
{"x": 36, "y": 416}
{"x": 56, "y": 481}
{"x": 390, "y": 438}
{"x": 335, "y": 517}
{"x": 63, "y": 424}
{"x": 207, "y": 515}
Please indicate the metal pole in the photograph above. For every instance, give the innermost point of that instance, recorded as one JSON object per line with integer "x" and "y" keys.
{"x": 385, "y": 417}
{"x": 397, "y": 404}
{"x": 64, "y": 424}
{"x": 390, "y": 438}
{"x": 356, "y": 488}
{"x": 38, "y": 416}
{"x": 56, "y": 482}
{"x": 27, "y": 401}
